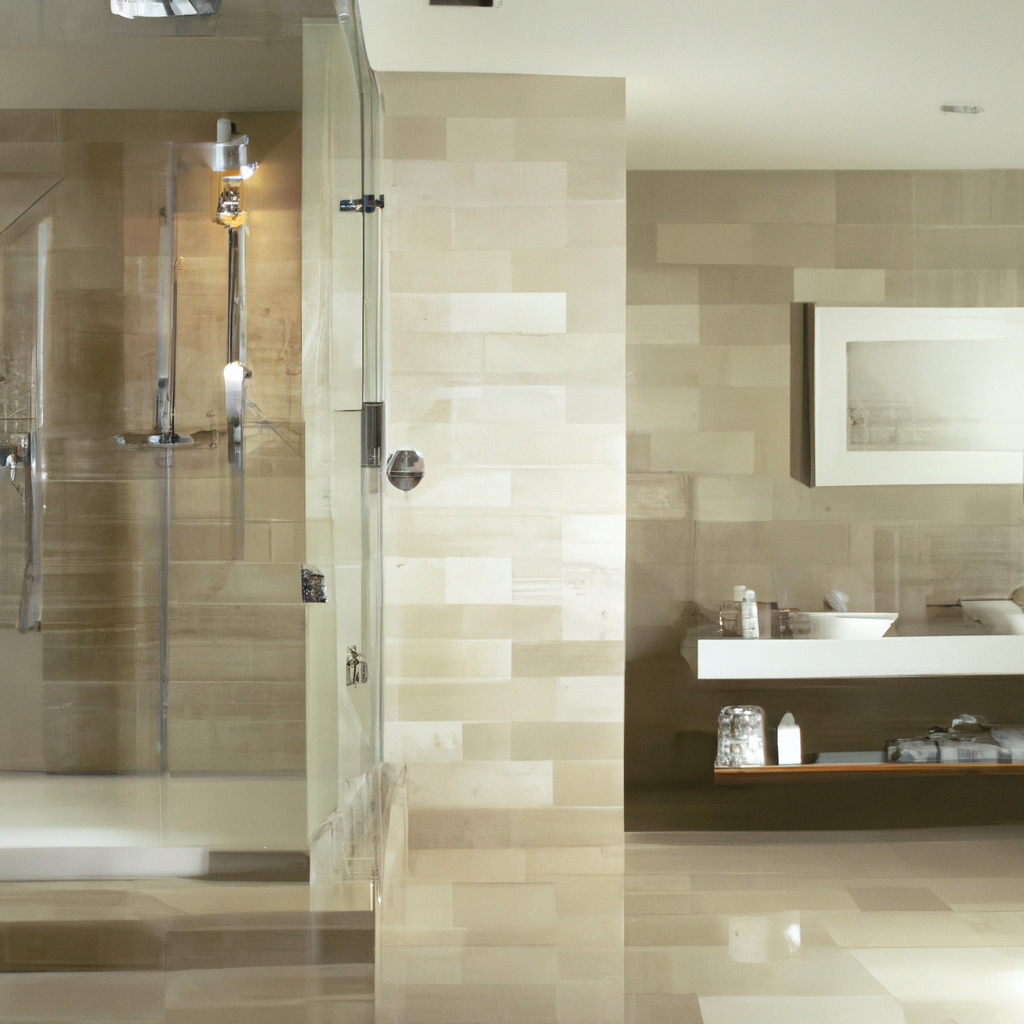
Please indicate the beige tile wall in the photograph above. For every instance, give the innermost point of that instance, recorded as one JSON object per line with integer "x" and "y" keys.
{"x": 504, "y": 696}
{"x": 715, "y": 258}
{"x": 237, "y": 700}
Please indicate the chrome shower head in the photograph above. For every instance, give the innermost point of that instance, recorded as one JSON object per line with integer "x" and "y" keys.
{"x": 162, "y": 8}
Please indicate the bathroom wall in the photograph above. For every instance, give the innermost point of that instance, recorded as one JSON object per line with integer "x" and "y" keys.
{"x": 504, "y": 585}
{"x": 715, "y": 259}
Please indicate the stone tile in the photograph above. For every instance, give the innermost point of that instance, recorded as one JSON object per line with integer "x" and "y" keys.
{"x": 839, "y": 287}
{"x": 875, "y": 197}
{"x": 897, "y": 898}
{"x": 704, "y": 452}
{"x": 968, "y": 248}
{"x": 745, "y": 324}
{"x": 414, "y": 138}
{"x": 776, "y": 1009}
{"x": 951, "y": 287}
{"x": 968, "y": 197}
{"x": 661, "y": 285}
{"x": 734, "y": 197}
{"x": 481, "y": 138}
{"x": 574, "y": 139}
{"x": 663, "y": 325}
{"x": 741, "y": 285}
{"x": 488, "y": 96}
{"x": 874, "y": 245}
{"x": 767, "y": 244}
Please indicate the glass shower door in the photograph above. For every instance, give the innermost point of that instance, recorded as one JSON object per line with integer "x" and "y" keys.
{"x": 343, "y": 408}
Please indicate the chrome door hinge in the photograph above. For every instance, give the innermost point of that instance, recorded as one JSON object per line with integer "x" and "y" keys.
{"x": 356, "y": 669}
{"x": 372, "y": 428}
{"x": 365, "y": 205}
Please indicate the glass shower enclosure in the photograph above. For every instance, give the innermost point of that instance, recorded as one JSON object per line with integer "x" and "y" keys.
{"x": 191, "y": 387}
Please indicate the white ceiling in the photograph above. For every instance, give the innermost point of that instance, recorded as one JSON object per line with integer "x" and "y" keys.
{"x": 753, "y": 83}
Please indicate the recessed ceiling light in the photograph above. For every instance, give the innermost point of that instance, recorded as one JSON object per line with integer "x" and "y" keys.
{"x": 952, "y": 108}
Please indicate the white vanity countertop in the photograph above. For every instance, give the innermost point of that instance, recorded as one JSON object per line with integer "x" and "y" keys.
{"x": 847, "y": 659}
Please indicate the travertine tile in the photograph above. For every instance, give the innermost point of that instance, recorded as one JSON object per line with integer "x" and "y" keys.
{"x": 414, "y": 138}
{"x": 512, "y": 313}
{"x": 729, "y": 285}
{"x": 651, "y": 409}
{"x": 487, "y": 741}
{"x": 839, "y": 287}
{"x": 482, "y": 138}
{"x": 811, "y": 245}
{"x": 968, "y": 248}
{"x": 574, "y": 139}
{"x": 480, "y": 784}
{"x": 875, "y": 197}
{"x": 706, "y": 452}
{"x": 663, "y": 325}
{"x": 498, "y": 96}
{"x": 425, "y": 271}
{"x": 596, "y": 180}
{"x": 745, "y": 324}
{"x": 968, "y": 197}
{"x": 874, "y": 245}
{"x": 587, "y": 783}
{"x": 951, "y": 287}
{"x": 734, "y": 197}
{"x": 662, "y": 285}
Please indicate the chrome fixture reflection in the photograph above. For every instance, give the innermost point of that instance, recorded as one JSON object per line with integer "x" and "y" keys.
{"x": 164, "y": 433}
{"x": 162, "y": 8}
{"x": 314, "y": 585}
{"x": 229, "y": 160}
{"x": 356, "y": 669}
{"x": 406, "y": 468}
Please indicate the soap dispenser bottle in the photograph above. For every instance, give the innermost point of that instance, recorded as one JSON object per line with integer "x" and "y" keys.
{"x": 748, "y": 616}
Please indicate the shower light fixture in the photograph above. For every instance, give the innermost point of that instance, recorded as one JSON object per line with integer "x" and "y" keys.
{"x": 162, "y": 8}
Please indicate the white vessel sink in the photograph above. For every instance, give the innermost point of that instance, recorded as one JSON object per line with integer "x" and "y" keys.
{"x": 849, "y": 625}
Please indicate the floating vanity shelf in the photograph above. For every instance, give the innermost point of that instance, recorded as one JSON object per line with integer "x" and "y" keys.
{"x": 851, "y": 659}
{"x": 839, "y": 772}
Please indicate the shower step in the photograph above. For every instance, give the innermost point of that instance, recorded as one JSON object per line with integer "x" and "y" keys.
{"x": 189, "y": 942}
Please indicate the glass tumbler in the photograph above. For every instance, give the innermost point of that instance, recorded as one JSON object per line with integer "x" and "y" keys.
{"x": 740, "y": 737}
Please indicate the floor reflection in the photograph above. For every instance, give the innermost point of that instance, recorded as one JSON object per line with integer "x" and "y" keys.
{"x": 674, "y": 928}
{"x": 857, "y": 928}
{"x": 181, "y": 951}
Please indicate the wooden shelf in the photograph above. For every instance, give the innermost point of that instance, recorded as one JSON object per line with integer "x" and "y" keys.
{"x": 772, "y": 774}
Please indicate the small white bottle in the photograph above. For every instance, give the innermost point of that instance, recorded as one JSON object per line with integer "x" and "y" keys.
{"x": 790, "y": 750}
{"x": 749, "y": 616}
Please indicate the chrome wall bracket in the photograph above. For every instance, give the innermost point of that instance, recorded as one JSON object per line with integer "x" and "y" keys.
{"x": 367, "y": 204}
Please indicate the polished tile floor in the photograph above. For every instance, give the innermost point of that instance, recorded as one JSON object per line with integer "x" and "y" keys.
{"x": 815, "y": 928}
{"x": 741, "y": 928}
{"x": 182, "y": 952}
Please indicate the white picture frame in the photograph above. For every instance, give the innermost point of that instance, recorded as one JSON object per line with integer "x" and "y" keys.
{"x": 835, "y": 465}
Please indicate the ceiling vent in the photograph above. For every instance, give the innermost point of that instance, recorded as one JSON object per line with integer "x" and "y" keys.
{"x": 162, "y": 8}
{"x": 464, "y": 3}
